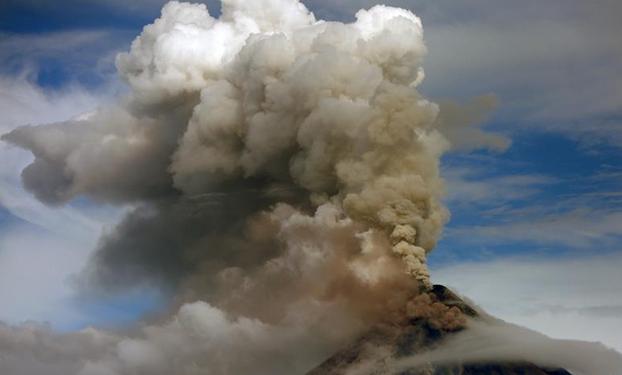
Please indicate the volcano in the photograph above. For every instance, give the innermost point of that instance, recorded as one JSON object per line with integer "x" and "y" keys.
{"x": 370, "y": 354}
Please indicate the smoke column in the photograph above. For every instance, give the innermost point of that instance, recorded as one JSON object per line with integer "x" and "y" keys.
{"x": 284, "y": 178}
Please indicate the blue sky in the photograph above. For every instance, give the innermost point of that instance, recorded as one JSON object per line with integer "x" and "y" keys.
{"x": 552, "y": 199}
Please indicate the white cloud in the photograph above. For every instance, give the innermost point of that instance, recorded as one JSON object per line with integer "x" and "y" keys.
{"x": 38, "y": 258}
{"x": 472, "y": 186}
{"x": 579, "y": 228}
{"x": 22, "y": 102}
{"x": 567, "y": 298}
{"x": 497, "y": 341}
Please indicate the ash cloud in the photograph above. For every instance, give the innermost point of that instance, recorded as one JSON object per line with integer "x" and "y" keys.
{"x": 284, "y": 174}
{"x": 266, "y": 101}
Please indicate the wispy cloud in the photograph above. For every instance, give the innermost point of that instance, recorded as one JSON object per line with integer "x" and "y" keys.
{"x": 580, "y": 228}
{"x": 39, "y": 254}
{"x": 474, "y": 186}
{"x": 496, "y": 207}
{"x": 69, "y": 57}
{"x": 23, "y": 102}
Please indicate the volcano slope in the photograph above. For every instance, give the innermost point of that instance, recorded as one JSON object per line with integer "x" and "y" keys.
{"x": 373, "y": 352}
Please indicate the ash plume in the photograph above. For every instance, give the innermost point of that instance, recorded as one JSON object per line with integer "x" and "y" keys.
{"x": 284, "y": 178}
{"x": 229, "y": 116}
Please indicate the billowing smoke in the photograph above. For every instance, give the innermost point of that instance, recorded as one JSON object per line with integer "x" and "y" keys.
{"x": 284, "y": 174}
{"x": 265, "y": 103}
